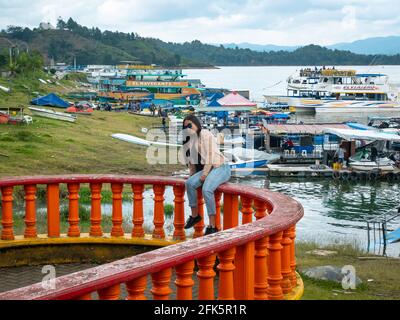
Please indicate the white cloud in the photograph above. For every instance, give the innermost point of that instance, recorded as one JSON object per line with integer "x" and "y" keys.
{"x": 285, "y": 22}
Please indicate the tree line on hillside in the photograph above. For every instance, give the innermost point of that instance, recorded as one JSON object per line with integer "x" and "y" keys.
{"x": 112, "y": 47}
{"x": 21, "y": 62}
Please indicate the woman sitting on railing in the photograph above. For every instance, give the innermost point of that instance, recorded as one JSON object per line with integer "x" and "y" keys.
{"x": 208, "y": 168}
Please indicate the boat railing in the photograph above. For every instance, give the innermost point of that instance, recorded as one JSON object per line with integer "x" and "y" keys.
{"x": 255, "y": 256}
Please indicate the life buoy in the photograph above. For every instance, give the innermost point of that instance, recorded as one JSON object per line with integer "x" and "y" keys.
{"x": 353, "y": 176}
{"x": 372, "y": 176}
{"x": 390, "y": 176}
{"x": 336, "y": 175}
{"x": 361, "y": 176}
{"x": 345, "y": 175}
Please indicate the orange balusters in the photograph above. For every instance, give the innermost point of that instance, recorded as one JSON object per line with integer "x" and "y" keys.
{"x": 95, "y": 215}
{"x": 117, "y": 230}
{"x": 292, "y": 235}
{"x": 161, "y": 280}
{"x": 138, "y": 219}
{"x": 218, "y": 196}
{"x": 7, "y": 213}
{"x": 159, "y": 191}
{"x": 136, "y": 289}
{"x": 179, "y": 213}
{"x": 30, "y": 211}
{"x": 274, "y": 267}
{"x": 261, "y": 209}
{"x": 73, "y": 216}
{"x": 184, "y": 282}
{"x": 53, "y": 210}
{"x": 286, "y": 270}
{"x": 244, "y": 272}
{"x": 85, "y": 297}
{"x": 260, "y": 269}
{"x": 226, "y": 268}
{"x": 111, "y": 293}
{"x": 261, "y": 257}
{"x": 199, "y": 227}
{"x": 206, "y": 276}
{"x": 231, "y": 211}
{"x": 247, "y": 210}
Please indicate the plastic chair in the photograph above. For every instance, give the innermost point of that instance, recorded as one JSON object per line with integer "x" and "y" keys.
{"x": 293, "y": 152}
{"x": 304, "y": 153}
{"x": 286, "y": 153}
{"x": 28, "y": 119}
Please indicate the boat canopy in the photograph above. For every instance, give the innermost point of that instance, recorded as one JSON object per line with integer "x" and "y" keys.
{"x": 371, "y": 135}
{"x": 314, "y": 129}
{"x": 51, "y": 100}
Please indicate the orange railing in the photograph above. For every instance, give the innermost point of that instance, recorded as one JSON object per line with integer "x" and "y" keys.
{"x": 256, "y": 260}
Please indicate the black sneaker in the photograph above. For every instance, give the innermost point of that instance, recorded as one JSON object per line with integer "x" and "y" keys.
{"x": 210, "y": 230}
{"x": 192, "y": 221}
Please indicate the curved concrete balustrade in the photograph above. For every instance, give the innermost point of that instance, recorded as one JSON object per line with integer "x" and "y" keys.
{"x": 256, "y": 256}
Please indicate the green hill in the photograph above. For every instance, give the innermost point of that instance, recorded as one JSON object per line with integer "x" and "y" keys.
{"x": 93, "y": 46}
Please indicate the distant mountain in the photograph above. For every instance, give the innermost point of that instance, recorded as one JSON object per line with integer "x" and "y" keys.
{"x": 260, "y": 47}
{"x": 379, "y": 45}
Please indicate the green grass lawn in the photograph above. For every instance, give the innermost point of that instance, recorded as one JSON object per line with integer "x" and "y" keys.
{"x": 55, "y": 147}
{"x": 383, "y": 271}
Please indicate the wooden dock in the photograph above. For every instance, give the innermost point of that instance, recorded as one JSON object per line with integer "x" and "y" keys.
{"x": 319, "y": 171}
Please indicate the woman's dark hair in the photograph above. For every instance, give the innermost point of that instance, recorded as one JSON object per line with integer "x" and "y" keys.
{"x": 195, "y": 120}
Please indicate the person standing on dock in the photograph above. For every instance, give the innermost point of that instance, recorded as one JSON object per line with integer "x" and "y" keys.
{"x": 340, "y": 155}
{"x": 208, "y": 169}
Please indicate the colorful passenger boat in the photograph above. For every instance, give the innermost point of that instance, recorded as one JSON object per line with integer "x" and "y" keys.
{"x": 162, "y": 86}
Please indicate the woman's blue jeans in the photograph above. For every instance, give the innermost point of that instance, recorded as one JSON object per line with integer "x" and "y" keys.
{"x": 215, "y": 178}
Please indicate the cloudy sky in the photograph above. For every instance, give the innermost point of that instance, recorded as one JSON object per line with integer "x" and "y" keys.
{"x": 281, "y": 22}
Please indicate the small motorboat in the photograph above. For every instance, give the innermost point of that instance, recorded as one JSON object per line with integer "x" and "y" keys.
{"x": 249, "y": 158}
{"x": 383, "y": 164}
{"x": 47, "y": 113}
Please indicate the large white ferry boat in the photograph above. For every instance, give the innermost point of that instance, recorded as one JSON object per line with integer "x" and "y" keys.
{"x": 310, "y": 88}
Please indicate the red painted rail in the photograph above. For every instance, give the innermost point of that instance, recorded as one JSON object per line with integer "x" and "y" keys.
{"x": 256, "y": 259}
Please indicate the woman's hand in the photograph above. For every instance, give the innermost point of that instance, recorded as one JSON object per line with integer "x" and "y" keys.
{"x": 203, "y": 178}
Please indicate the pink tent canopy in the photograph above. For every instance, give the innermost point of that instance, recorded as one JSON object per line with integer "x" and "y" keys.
{"x": 234, "y": 99}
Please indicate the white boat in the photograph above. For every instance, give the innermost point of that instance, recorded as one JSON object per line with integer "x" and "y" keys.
{"x": 47, "y": 113}
{"x": 142, "y": 142}
{"x": 341, "y": 85}
{"x": 309, "y": 89}
{"x": 249, "y": 158}
{"x": 383, "y": 164}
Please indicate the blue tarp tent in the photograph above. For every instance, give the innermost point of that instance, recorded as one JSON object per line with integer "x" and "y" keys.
{"x": 51, "y": 100}
{"x": 213, "y": 103}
